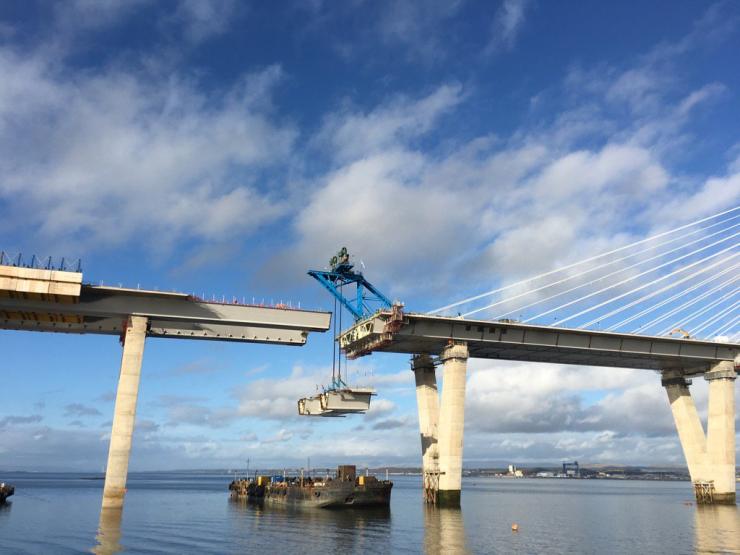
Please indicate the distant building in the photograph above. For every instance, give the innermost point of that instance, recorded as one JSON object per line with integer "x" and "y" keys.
{"x": 513, "y": 471}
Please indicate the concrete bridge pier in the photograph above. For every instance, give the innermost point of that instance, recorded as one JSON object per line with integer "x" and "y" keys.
{"x": 124, "y": 416}
{"x": 710, "y": 457}
{"x": 427, "y": 400}
{"x": 451, "y": 423}
{"x": 721, "y": 430}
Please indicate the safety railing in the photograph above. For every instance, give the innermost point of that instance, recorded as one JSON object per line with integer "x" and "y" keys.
{"x": 40, "y": 263}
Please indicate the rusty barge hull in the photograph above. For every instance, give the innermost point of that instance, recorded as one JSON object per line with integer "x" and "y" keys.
{"x": 330, "y": 496}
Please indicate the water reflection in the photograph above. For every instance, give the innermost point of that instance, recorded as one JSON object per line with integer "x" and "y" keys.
{"x": 109, "y": 532}
{"x": 717, "y": 529}
{"x": 331, "y": 530}
{"x": 444, "y": 531}
{"x": 5, "y": 508}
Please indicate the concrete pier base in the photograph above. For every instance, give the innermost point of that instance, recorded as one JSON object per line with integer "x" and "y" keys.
{"x": 124, "y": 415}
{"x": 710, "y": 457}
{"x": 449, "y": 498}
{"x": 452, "y": 423}
{"x": 721, "y": 431}
{"x": 427, "y": 400}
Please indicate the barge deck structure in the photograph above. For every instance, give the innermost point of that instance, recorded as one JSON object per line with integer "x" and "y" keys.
{"x": 346, "y": 489}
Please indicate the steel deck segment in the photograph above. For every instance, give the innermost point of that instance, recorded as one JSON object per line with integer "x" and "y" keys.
{"x": 101, "y": 303}
{"x": 421, "y": 333}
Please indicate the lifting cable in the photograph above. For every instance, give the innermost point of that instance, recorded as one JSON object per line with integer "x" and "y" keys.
{"x": 334, "y": 345}
{"x": 336, "y": 340}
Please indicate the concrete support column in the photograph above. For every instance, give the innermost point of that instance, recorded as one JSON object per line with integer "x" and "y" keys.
{"x": 451, "y": 423}
{"x": 427, "y": 401}
{"x": 721, "y": 430}
{"x": 688, "y": 423}
{"x": 124, "y": 413}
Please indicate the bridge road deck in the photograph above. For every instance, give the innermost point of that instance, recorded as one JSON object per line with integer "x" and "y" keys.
{"x": 421, "y": 333}
{"x": 39, "y": 300}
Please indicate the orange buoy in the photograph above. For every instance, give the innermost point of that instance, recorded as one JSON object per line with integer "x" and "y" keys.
{"x": 515, "y": 527}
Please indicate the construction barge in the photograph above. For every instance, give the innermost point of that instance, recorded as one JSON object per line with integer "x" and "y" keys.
{"x": 6, "y": 490}
{"x": 346, "y": 489}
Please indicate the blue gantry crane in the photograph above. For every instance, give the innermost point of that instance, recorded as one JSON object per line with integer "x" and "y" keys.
{"x": 366, "y": 300}
{"x": 339, "y": 399}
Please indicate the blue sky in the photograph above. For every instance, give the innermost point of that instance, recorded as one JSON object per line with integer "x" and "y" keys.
{"x": 225, "y": 147}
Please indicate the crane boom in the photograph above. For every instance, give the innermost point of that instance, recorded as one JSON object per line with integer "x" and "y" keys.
{"x": 341, "y": 273}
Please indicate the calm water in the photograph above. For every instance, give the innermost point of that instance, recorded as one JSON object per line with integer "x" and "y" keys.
{"x": 186, "y": 513}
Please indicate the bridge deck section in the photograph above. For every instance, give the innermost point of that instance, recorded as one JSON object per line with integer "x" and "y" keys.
{"x": 420, "y": 333}
{"x": 105, "y": 310}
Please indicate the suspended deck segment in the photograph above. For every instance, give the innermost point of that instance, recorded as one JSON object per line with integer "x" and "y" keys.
{"x": 396, "y": 332}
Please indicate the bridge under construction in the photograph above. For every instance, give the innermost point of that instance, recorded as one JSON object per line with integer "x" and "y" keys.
{"x": 623, "y": 309}
{"x": 604, "y": 309}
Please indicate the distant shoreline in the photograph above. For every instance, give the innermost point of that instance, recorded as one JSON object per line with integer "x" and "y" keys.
{"x": 542, "y": 472}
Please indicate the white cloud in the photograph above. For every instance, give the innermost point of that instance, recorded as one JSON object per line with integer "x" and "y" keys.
{"x": 193, "y": 20}
{"x": 13, "y": 420}
{"x": 713, "y": 195}
{"x": 380, "y": 408}
{"x": 281, "y": 436}
{"x": 547, "y": 398}
{"x": 416, "y": 25}
{"x": 78, "y": 409}
{"x": 556, "y": 190}
{"x": 355, "y": 135}
{"x": 700, "y": 96}
{"x": 277, "y": 399}
{"x": 380, "y": 196}
{"x": 93, "y": 14}
{"x": 506, "y": 25}
{"x": 202, "y": 19}
{"x": 101, "y": 159}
